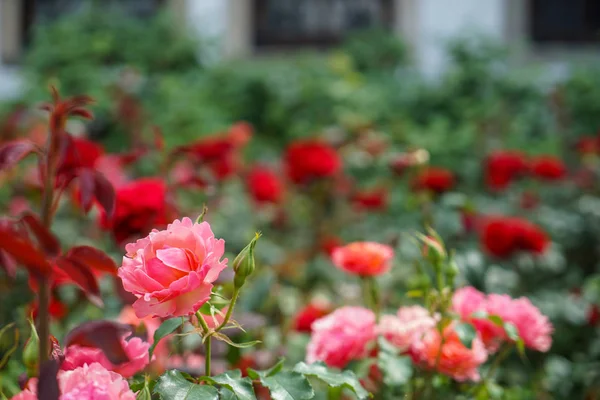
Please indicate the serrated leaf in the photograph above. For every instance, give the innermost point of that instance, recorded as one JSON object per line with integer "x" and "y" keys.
{"x": 173, "y": 386}
{"x": 511, "y": 331}
{"x": 284, "y": 385}
{"x": 345, "y": 379}
{"x": 226, "y": 394}
{"x": 466, "y": 333}
{"x": 165, "y": 329}
{"x": 397, "y": 370}
{"x": 232, "y": 380}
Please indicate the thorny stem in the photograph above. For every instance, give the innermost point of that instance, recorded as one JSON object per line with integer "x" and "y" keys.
{"x": 207, "y": 344}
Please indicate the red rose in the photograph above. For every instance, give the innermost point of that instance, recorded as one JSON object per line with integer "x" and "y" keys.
{"x": 264, "y": 185}
{"x": 374, "y": 199}
{"x": 504, "y": 236}
{"x": 309, "y": 314}
{"x": 140, "y": 206}
{"x": 548, "y": 168}
{"x": 309, "y": 159}
{"x": 434, "y": 179}
{"x": 503, "y": 167}
{"x": 588, "y": 145}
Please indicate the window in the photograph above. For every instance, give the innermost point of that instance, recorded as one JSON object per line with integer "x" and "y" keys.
{"x": 572, "y": 21}
{"x": 315, "y": 22}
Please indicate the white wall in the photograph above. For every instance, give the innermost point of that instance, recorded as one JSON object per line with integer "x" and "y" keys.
{"x": 208, "y": 19}
{"x": 440, "y": 20}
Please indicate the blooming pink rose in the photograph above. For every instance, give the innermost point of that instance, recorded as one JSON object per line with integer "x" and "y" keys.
{"x": 467, "y": 301}
{"x": 407, "y": 327}
{"x": 149, "y": 325}
{"x": 84, "y": 383}
{"x": 342, "y": 336}
{"x": 454, "y": 359}
{"x": 363, "y": 258}
{"x": 93, "y": 382}
{"x": 171, "y": 272}
{"x": 135, "y": 348}
{"x": 533, "y": 327}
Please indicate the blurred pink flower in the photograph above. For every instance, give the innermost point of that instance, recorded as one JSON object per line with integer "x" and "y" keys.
{"x": 171, "y": 272}
{"x": 84, "y": 383}
{"x": 135, "y": 348}
{"x": 533, "y": 327}
{"x": 407, "y": 327}
{"x": 363, "y": 258}
{"x": 342, "y": 336}
{"x": 467, "y": 301}
{"x": 454, "y": 358}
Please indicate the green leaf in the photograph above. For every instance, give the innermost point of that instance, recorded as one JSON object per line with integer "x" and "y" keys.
{"x": 511, "y": 331}
{"x": 345, "y": 379}
{"x": 232, "y": 380}
{"x": 284, "y": 385}
{"x": 480, "y": 314}
{"x": 415, "y": 294}
{"x": 173, "y": 386}
{"x": 144, "y": 394}
{"x": 14, "y": 346}
{"x": 466, "y": 333}
{"x": 397, "y": 370}
{"x": 226, "y": 394}
{"x": 226, "y": 339}
{"x": 521, "y": 349}
{"x": 165, "y": 329}
{"x": 497, "y": 320}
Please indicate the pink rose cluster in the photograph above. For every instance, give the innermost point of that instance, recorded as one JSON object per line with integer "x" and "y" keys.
{"x": 91, "y": 381}
{"x": 172, "y": 271}
{"x": 532, "y": 326}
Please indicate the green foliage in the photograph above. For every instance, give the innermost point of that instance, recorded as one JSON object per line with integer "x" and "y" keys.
{"x": 166, "y": 328}
{"x": 173, "y": 385}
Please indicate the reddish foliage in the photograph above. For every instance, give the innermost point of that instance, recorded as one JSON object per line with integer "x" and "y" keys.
{"x": 104, "y": 335}
{"x": 309, "y": 159}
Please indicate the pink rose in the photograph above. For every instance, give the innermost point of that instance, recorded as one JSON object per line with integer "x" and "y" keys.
{"x": 454, "y": 358}
{"x": 467, "y": 301}
{"x": 342, "y": 336}
{"x": 533, "y": 327}
{"x": 135, "y": 348}
{"x": 84, "y": 383}
{"x": 93, "y": 382}
{"x": 407, "y": 327}
{"x": 171, "y": 272}
{"x": 363, "y": 258}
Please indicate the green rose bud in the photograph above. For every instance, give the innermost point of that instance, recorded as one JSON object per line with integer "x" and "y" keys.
{"x": 31, "y": 355}
{"x": 244, "y": 264}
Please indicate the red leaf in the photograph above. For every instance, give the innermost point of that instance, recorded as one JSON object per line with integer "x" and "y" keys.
{"x": 8, "y": 264}
{"x": 82, "y": 276}
{"x": 46, "y": 239}
{"x": 87, "y": 187}
{"x": 13, "y": 152}
{"x": 47, "y": 385}
{"x": 104, "y": 193}
{"x": 104, "y": 335}
{"x": 17, "y": 244}
{"x": 95, "y": 259}
{"x": 83, "y": 113}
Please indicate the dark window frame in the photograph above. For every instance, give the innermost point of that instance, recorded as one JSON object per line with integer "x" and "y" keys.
{"x": 588, "y": 32}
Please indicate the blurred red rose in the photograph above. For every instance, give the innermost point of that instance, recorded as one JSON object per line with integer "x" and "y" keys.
{"x": 309, "y": 314}
{"x": 309, "y": 159}
{"x": 140, "y": 206}
{"x": 503, "y": 167}
{"x": 264, "y": 185}
{"x": 434, "y": 179}
{"x": 57, "y": 309}
{"x": 529, "y": 200}
{"x": 588, "y": 145}
{"x": 504, "y": 236}
{"x": 548, "y": 168}
{"x": 373, "y": 199}
{"x": 330, "y": 243}
{"x": 593, "y": 315}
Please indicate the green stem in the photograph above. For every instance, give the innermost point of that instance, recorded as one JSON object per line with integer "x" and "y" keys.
{"x": 371, "y": 294}
{"x": 236, "y": 293}
{"x": 207, "y": 344}
{"x": 499, "y": 358}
